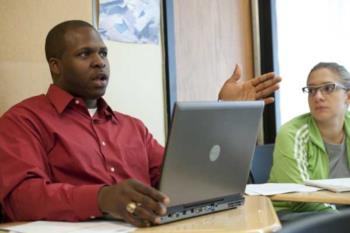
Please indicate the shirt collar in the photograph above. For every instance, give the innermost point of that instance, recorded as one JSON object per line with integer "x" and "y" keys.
{"x": 104, "y": 108}
{"x": 60, "y": 99}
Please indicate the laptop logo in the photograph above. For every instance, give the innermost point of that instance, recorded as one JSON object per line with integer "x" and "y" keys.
{"x": 214, "y": 153}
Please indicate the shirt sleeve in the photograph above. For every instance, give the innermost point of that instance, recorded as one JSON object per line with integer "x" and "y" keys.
{"x": 27, "y": 191}
{"x": 155, "y": 154}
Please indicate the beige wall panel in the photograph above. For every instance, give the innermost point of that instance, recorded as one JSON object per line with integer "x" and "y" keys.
{"x": 211, "y": 36}
{"x": 136, "y": 85}
{"x": 24, "y": 25}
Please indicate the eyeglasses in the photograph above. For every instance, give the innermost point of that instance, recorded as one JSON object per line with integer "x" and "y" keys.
{"x": 325, "y": 89}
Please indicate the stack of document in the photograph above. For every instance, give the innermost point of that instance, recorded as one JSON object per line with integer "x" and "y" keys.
{"x": 277, "y": 188}
{"x": 334, "y": 185}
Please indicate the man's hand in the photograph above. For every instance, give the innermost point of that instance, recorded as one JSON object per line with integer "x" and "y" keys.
{"x": 149, "y": 205}
{"x": 254, "y": 89}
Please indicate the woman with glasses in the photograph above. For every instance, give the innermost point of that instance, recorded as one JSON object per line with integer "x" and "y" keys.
{"x": 315, "y": 145}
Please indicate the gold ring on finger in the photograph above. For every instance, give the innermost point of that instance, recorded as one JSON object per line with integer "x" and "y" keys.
{"x": 131, "y": 207}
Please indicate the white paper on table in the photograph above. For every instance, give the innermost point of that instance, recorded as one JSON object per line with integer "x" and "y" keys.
{"x": 335, "y": 185}
{"x": 69, "y": 227}
{"x": 277, "y": 188}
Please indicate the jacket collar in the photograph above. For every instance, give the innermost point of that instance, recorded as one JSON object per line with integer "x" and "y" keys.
{"x": 315, "y": 134}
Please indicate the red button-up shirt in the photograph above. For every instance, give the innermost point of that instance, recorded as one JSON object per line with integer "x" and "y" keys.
{"x": 55, "y": 157}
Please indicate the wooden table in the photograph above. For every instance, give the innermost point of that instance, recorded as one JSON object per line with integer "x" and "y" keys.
{"x": 319, "y": 196}
{"x": 256, "y": 215}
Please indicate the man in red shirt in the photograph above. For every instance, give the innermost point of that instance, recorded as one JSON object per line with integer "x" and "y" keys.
{"x": 67, "y": 155}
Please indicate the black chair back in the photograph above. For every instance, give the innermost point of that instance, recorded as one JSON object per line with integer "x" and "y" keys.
{"x": 261, "y": 164}
{"x": 337, "y": 222}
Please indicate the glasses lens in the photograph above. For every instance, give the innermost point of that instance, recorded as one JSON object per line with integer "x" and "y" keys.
{"x": 328, "y": 88}
{"x": 310, "y": 90}
{"x": 313, "y": 90}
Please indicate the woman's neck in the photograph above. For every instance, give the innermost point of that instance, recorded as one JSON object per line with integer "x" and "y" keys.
{"x": 332, "y": 132}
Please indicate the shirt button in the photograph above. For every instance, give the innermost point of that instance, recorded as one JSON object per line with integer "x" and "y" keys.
{"x": 77, "y": 102}
{"x": 112, "y": 169}
{"x": 103, "y": 143}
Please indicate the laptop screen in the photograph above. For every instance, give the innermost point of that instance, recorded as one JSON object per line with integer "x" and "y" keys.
{"x": 209, "y": 150}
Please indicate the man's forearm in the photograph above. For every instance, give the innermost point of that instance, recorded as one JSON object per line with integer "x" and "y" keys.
{"x": 33, "y": 199}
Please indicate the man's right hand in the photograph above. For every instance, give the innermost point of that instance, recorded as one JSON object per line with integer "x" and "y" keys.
{"x": 150, "y": 203}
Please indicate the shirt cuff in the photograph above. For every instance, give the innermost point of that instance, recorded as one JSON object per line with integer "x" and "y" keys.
{"x": 85, "y": 201}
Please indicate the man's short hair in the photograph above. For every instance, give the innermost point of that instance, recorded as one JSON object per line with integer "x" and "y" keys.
{"x": 55, "y": 42}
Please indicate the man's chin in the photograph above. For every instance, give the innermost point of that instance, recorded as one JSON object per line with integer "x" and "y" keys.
{"x": 96, "y": 95}
{"x": 100, "y": 92}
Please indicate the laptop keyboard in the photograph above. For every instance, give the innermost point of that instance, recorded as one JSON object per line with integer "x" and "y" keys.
{"x": 199, "y": 210}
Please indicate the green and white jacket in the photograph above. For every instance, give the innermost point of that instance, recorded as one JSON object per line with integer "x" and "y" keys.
{"x": 299, "y": 155}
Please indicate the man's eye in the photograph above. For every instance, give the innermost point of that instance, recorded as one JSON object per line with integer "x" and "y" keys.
{"x": 83, "y": 54}
{"x": 104, "y": 54}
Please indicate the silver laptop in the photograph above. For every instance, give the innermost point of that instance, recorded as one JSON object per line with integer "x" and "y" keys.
{"x": 208, "y": 156}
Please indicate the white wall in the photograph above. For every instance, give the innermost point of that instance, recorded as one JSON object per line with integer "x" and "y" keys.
{"x": 306, "y": 40}
{"x": 136, "y": 84}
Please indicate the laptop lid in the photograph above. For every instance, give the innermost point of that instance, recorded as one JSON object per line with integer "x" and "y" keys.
{"x": 209, "y": 150}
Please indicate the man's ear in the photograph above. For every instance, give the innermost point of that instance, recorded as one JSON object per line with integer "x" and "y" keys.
{"x": 55, "y": 66}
